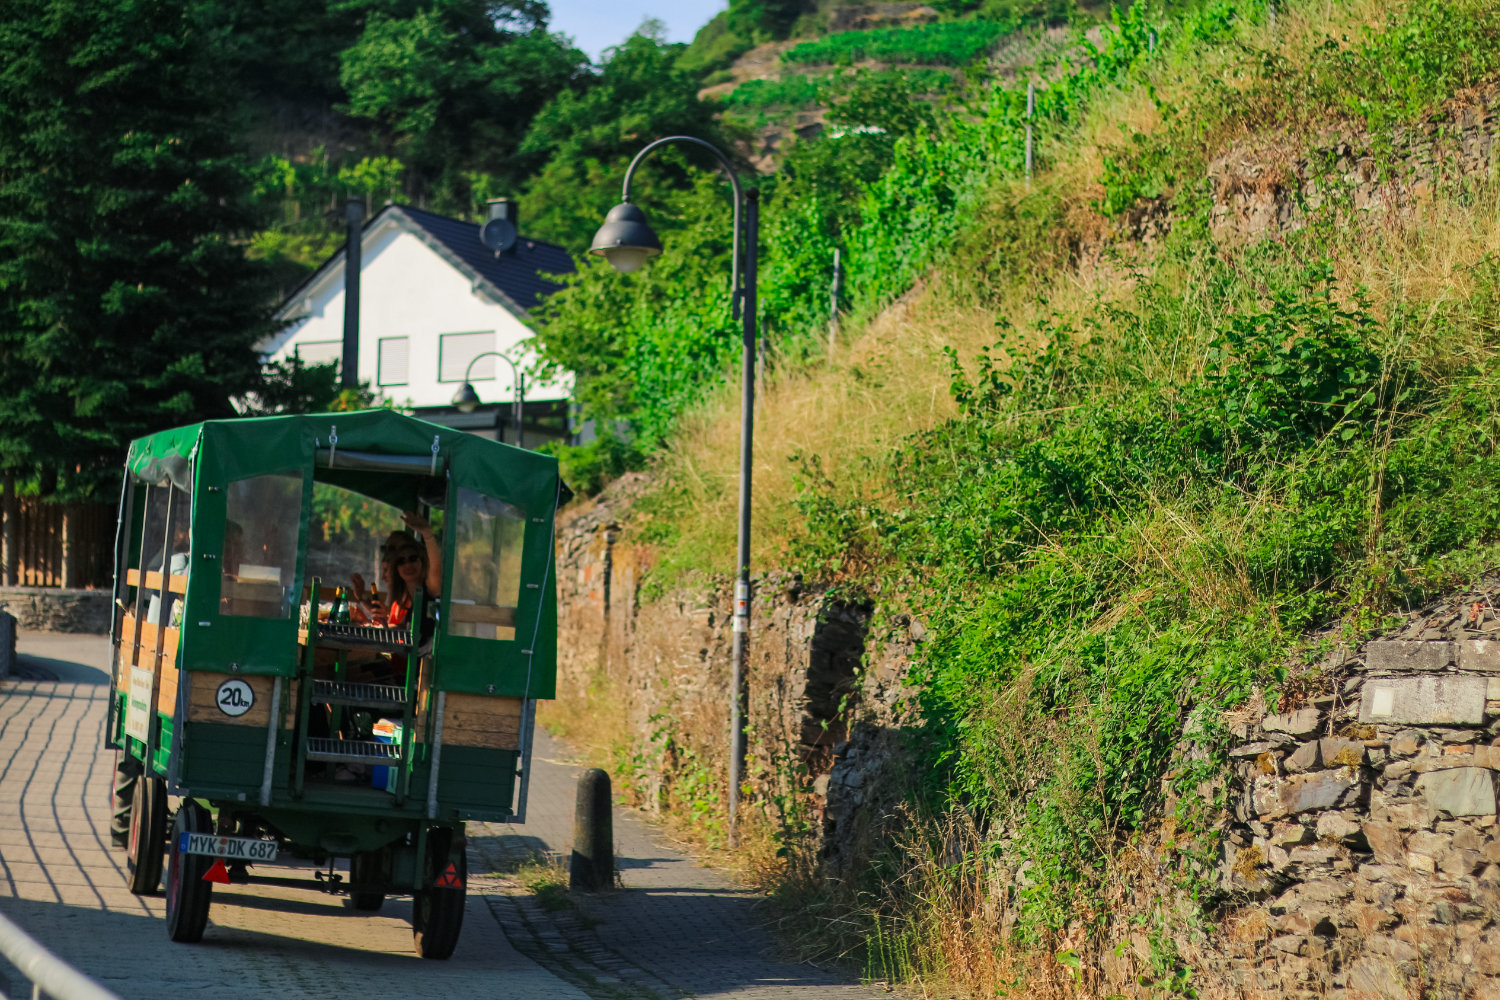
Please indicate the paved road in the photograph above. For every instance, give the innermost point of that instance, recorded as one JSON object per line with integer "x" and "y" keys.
{"x": 677, "y": 930}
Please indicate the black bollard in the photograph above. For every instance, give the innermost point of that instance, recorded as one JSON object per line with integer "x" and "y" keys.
{"x": 592, "y": 867}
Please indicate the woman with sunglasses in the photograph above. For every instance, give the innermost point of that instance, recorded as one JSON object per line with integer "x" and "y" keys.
{"x": 405, "y": 564}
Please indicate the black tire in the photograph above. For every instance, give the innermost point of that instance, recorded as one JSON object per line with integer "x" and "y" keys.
{"x": 148, "y": 835}
{"x": 122, "y": 799}
{"x": 188, "y": 895}
{"x": 365, "y": 869}
{"x": 437, "y": 914}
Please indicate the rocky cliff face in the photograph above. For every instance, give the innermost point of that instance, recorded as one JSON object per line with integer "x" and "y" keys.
{"x": 863, "y": 17}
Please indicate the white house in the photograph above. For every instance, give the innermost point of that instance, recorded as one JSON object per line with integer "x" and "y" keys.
{"x": 432, "y": 299}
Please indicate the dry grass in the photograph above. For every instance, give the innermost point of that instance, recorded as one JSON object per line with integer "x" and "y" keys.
{"x": 891, "y": 378}
{"x": 946, "y": 924}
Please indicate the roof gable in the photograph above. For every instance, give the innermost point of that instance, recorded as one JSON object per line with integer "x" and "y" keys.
{"x": 517, "y": 272}
{"x": 513, "y": 280}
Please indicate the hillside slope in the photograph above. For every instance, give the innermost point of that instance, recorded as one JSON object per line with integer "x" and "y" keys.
{"x": 1209, "y": 394}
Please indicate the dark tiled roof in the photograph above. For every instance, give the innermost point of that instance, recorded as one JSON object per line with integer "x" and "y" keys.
{"x": 518, "y": 273}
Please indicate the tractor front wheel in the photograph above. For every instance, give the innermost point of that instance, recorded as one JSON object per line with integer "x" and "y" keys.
{"x": 148, "y": 821}
{"x": 122, "y": 798}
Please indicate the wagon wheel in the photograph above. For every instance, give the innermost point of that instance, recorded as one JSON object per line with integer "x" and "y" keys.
{"x": 148, "y": 820}
{"x": 121, "y": 796}
{"x": 188, "y": 895}
{"x": 365, "y": 870}
{"x": 437, "y": 913}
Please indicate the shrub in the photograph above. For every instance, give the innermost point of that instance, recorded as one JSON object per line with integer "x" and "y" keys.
{"x": 950, "y": 43}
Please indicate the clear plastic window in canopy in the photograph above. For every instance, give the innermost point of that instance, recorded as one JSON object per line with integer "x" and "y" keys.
{"x": 346, "y": 531}
{"x": 165, "y": 546}
{"x": 488, "y": 537}
{"x": 263, "y": 515}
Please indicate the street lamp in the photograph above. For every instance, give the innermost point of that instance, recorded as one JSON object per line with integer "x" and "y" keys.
{"x": 465, "y": 400}
{"x": 627, "y": 241}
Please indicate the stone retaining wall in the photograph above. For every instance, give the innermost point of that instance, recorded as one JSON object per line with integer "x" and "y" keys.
{"x": 863, "y": 17}
{"x": 50, "y": 609}
{"x": 1364, "y": 843}
{"x": 1263, "y": 185}
{"x": 663, "y": 665}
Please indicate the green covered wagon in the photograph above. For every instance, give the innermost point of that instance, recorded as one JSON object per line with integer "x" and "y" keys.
{"x": 257, "y": 680}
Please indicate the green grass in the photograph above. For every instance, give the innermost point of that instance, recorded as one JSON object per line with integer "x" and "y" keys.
{"x": 1152, "y": 498}
{"x": 1162, "y": 481}
{"x": 546, "y": 879}
{"x": 952, "y": 43}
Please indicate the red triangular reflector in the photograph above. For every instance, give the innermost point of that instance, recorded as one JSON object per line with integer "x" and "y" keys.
{"x": 218, "y": 873}
{"x": 449, "y": 879}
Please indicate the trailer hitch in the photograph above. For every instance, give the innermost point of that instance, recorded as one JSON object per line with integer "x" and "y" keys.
{"x": 334, "y": 879}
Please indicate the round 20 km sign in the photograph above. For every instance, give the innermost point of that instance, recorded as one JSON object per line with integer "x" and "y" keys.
{"x": 235, "y": 697}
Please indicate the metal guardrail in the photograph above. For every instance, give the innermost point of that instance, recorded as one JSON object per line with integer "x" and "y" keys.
{"x": 49, "y": 975}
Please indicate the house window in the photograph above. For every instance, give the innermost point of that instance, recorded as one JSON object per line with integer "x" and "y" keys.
{"x": 320, "y": 352}
{"x": 393, "y": 355}
{"x": 456, "y": 350}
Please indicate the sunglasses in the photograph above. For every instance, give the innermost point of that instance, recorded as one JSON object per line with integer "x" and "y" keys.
{"x": 400, "y": 561}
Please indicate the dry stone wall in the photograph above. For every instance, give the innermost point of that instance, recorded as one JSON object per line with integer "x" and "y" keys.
{"x": 1363, "y": 854}
{"x": 51, "y": 609}
{"x": 1263, "y": 184}
{"x": 661, "y": 668}
{"x": 1360, "y": 856}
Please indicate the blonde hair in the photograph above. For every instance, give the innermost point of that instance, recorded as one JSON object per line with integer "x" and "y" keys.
{"x": 396, "y": 543}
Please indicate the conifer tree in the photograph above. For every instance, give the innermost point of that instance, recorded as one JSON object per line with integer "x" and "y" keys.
{"x": 126, "y": 302}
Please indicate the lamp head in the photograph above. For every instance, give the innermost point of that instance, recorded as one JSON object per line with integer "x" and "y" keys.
{"x": 626, "y": 240}
{"x": 466, "y": 400}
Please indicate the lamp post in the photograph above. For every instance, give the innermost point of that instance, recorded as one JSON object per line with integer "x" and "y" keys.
{"x": 627, "y": 241}
{"x": 465, "y": 400}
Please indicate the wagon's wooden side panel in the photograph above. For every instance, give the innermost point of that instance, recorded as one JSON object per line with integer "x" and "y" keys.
{"x": 203, "y": 699}
{"x": 476, "y": 720}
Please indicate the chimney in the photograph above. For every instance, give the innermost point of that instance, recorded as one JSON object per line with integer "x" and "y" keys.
{"x": 504, "y": 208}
{"x": 500, "y": 230}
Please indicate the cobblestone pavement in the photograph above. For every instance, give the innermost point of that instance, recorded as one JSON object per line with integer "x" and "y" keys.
{"x": 61, "y": 882}
{"x": 676, "y": 930}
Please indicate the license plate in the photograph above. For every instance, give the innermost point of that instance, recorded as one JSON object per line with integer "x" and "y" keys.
{"x": 241, "y": 848}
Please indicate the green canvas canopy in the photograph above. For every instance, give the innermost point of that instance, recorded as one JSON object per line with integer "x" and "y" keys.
{"x": 385, "y": 455}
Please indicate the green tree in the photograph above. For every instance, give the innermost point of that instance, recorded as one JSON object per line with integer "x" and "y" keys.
{"x": 126, "y": 302}
{"x": 588, "y": 134}
{"x": 286, "y": 51}
{"x": 766, "y": 20}
{"x": 293, "y": 386}
{"x": 455, "y": 84}
{"x": 743, "y": 24}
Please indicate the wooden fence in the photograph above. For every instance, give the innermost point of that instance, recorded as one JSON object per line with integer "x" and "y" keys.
{"x": 39, "y": 533}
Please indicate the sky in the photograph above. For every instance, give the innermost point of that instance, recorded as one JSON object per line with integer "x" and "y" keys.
{"x": 597, "y": 24}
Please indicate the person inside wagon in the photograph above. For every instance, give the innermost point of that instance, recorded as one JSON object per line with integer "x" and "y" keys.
{"x": 407, "y": 562}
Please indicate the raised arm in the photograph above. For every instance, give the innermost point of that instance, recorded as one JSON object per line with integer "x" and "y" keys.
{"x": 416, "y": 522}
